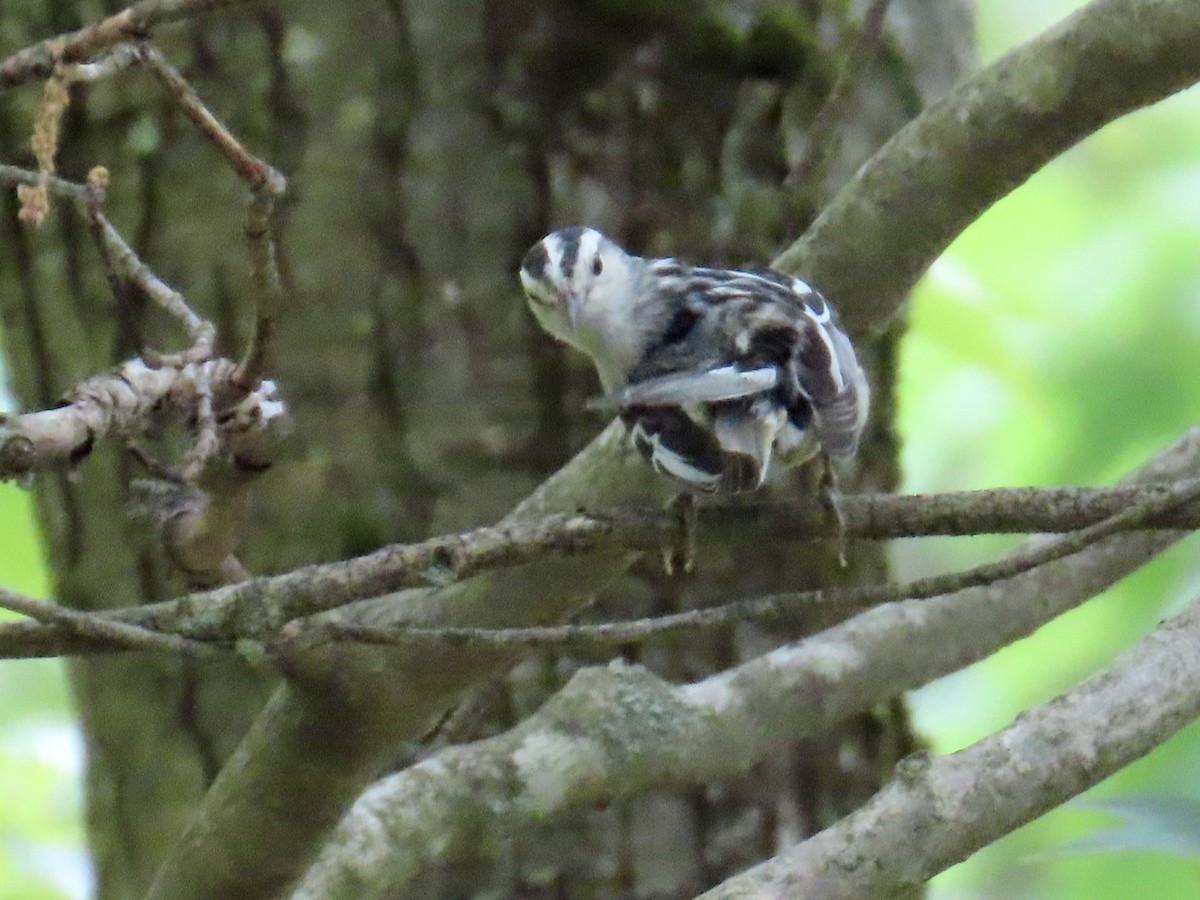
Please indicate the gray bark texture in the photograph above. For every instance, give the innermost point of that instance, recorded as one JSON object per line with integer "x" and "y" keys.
{"x": 427, "y": 145}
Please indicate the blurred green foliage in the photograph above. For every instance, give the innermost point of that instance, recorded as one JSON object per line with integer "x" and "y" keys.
{"x": 41, "y": 831}
{"x": 1053, "y": 344}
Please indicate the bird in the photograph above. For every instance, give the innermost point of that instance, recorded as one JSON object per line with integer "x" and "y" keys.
{"x": 715, "y": 372}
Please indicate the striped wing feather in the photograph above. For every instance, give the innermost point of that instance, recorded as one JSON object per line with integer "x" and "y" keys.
{"x": 743, "y": 360}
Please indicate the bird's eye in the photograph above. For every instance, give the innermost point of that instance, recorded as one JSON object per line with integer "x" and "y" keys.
{"x": 597, "y": 266}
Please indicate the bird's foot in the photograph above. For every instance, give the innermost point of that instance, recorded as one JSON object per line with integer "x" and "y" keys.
{"x": 680, "y": 559}
{"x": 828, "y": 488}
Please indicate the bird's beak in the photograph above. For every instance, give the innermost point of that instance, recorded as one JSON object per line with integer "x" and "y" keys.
{"x": 574, "y": 310}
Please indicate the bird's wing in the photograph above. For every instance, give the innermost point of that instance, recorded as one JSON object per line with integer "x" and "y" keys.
{"x": 726, "y": 382}
{"x": 774, "y": 319}
{"x": 827, "y": 372}
{"x": 760, "y": 351}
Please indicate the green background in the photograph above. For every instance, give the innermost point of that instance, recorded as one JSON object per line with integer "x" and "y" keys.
{"x": 1055, "y": 343}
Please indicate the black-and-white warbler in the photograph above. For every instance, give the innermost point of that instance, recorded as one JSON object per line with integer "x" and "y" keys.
{"x": 715, "y": 371}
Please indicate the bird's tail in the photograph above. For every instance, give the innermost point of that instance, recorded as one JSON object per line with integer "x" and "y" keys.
{"x": 730, "y": 456}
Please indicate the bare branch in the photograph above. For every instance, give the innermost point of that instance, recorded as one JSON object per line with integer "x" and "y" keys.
{"x": 128, "y": 266}
{"x": 267, "y": 185}
{"x": 252, "y": 170}
{"x": 713, "y": 729}
{"x": 94, "y": 627}
{"x": 124, "y": 404}
{"x": 964, "y": 801}
{"x": 208, "y": 441}
{"x": 119, "y": 405}
{"x": 258, "y": 609}
{"x": 60, "y": 187}
{"x": 237, "y": 423}
{"x": 115, "y": 406}
{"x": 120, "y": 258}
{"x": 135, "y": 21}
{"x": 264, "y": 267}
{"x": 380, "y": 694}
{"x": 776, "y": 607}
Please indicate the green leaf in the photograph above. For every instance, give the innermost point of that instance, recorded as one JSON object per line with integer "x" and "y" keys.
{"x": 1148, "y": 823}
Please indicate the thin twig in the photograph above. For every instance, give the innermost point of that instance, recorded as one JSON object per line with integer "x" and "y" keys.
{"x": 248, "y": 167}
{"x": 122, "y": 57}
{"x": 257, "y": 609}
{"x": 778, "y": 606}
{"x": 129, "y": 266}
{"x": 120, "y": 259}
{"x": 268, "y": 285}
{"x": 60, "y": 187}
{"x": 267, "y": 185}
{"x": 37, "y": 61}
{"x": 90, "y": 626}
{"x": 207, "y": 440}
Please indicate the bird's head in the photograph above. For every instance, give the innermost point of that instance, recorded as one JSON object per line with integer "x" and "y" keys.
{"x": 578, "y": 283}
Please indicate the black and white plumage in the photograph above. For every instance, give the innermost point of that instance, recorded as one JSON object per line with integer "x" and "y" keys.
{"x": 716, "y": 372}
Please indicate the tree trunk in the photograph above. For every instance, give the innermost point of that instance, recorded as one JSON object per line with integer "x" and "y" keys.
{"x": 428, "y": 144}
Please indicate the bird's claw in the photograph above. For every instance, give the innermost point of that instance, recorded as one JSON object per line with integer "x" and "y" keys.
{"x": 680, "y": 559}
{"x": 828, "y": 489}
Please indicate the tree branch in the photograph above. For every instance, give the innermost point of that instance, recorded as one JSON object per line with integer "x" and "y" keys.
{"x": 90, "y": 626}
{"x": 344, "y": 708}
{"x": 608, "y": 745}
{"x": 964, "y": 801}
{"x": 778, "y": 606}
{"x": 119, "y": 258}
{"x": 198, "y": 521}
{"x": 257, "y": 609}
{"x": 127, "y": 402}
{"x": 984, "y": 138}
{"x": 135, "y": 21}
{"x": 267, "y": 186}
